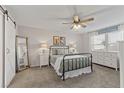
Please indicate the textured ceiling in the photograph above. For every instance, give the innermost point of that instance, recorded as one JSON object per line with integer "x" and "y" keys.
{"x": 51, "y": 17}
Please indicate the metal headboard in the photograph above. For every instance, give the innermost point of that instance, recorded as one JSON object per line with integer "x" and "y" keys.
{"x": 52, "y": 48}
{"x": 62, "y": 48}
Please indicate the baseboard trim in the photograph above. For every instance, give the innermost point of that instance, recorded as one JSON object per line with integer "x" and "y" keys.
{"x": 105, "y": 66}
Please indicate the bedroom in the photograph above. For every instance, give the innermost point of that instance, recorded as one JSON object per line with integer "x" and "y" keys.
{"x": 44, "y": 33}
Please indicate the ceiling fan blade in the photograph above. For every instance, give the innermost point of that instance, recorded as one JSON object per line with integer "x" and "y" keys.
{"x": 87, "y": 20}
{"x": 68, "y": 23}
{"x": 83, "y": 25}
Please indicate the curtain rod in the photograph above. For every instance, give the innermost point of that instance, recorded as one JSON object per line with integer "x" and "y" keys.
{"x": 6, "y": 12}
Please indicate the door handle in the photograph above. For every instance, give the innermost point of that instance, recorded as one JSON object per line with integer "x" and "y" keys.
{"x": 7, "y": 51}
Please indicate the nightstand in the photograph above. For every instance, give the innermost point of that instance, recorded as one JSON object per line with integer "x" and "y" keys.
{"x": 44, "y": 58}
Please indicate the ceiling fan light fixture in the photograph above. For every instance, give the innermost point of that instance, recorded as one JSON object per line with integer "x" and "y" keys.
{"x": 76, "y": 27}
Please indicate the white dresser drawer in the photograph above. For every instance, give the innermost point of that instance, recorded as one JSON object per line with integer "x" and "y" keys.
{"x": 109, "y": 59}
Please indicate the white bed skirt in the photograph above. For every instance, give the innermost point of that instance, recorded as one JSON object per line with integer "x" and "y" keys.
{"x": 74, "y": 73}
{"x": 78, "y": 72}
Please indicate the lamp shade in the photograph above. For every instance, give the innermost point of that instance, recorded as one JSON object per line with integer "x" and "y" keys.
{"x": 44, "y": 45}
{"x": 72, "y": 45}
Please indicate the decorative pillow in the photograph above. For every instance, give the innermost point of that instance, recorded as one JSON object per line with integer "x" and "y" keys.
{"x": 54, "y": 52}
{"x": 61, "y": 51}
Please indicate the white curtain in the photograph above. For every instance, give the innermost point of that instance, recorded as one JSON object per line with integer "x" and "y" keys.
{"x": 1, "y": 50}
{"x": 10, "y": 33}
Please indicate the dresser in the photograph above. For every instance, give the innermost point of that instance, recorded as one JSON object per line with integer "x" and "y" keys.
{"x": 44, "y": 59}
{"x": 109, "y": 59}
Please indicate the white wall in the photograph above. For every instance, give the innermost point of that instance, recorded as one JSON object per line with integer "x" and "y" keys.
{"x": 1, "y": 50}
{"x": 36, "y": 36}
{"x": 83, "y": 45}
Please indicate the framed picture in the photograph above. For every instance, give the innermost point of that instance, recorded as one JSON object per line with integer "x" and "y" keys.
{"x": 62, "y": 41}
{"x": 56, "y": 40}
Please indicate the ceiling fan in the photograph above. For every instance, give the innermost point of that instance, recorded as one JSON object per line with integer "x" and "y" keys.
{"x": 77, "y": 22}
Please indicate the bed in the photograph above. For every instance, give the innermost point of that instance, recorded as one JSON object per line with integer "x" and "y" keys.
{"x": 68, "y": 65}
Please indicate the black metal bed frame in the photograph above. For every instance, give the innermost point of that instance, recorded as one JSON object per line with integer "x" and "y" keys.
{"x": 72, "y": 60}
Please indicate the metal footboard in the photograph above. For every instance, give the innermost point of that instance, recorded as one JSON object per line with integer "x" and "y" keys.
{"x": 77, "y": 61}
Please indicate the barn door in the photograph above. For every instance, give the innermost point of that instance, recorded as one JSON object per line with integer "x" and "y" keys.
{"x": 1, "y": 49}
{"x": 10, "y": 32}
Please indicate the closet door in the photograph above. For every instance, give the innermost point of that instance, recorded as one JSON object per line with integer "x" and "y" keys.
{"x": 1, "y": 49}
{"x": 9, "y": 51}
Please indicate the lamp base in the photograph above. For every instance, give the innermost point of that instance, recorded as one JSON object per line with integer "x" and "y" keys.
{"x": 43, "y": 51}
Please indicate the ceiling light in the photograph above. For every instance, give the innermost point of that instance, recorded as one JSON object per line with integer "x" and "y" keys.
{"x": 76, "y": 27}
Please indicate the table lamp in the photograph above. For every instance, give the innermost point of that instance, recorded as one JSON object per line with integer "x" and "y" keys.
{"x": 44, "y": 47}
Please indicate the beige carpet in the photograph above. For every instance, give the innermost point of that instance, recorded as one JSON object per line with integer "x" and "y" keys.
{"x": 46, "y": 77}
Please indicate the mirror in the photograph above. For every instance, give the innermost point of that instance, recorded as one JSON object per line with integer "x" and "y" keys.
{"x": 22, "y": 59}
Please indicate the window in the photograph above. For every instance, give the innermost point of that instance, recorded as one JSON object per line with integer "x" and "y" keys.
{"x": 113, "y": 37}
{"x": 107, "y": 41}
{"x": 98, "y": 42}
